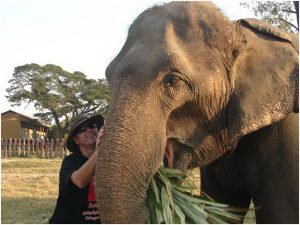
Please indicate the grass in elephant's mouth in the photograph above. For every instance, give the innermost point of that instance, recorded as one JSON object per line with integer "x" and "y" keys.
{"x": 170, "y": 200}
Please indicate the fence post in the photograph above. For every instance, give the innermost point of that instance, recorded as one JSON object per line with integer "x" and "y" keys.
{"x": 56, "y": 147}
{"x": 32, "y": 146}
{"x": 4, "y": 151}
{"x": 5, "y": 147}
{"x": 28, "y": 147}
{"x": 14, "y": 147}
{"x": 37, "y": 148}
{"x": 23, "y": 147}
{"x": 47, "y": 147}
{"x": 51, "y": 148}
{"x": 62, "y": 147}
{"x": 18, "y": 149}
{"x": 42, "y": 148}
{"x": 9, "y": 147}
{"x": 2, "y": 148}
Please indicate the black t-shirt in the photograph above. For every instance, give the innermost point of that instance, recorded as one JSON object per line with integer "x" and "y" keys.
{"x": 74, "y": 205}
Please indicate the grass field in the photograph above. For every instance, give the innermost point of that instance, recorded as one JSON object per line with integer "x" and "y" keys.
{"x": 29, "y": 188}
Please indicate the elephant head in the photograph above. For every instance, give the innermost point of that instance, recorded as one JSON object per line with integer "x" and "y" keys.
{"x": 187, "y": 83}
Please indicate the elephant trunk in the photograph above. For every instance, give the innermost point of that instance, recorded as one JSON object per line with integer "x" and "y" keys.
{"x": 125, "y": 166}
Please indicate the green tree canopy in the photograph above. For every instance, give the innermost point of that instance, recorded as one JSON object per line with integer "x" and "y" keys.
{"x": 57, "y": 94}
{"x": 283, "y": 14}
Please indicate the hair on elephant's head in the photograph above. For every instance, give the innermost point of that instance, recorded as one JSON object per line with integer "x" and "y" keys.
{"x": 188, "y": 83}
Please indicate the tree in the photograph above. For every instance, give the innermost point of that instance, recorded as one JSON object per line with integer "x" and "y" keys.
{"x": 283, "y": 14}
{"x": 57, "y": 94}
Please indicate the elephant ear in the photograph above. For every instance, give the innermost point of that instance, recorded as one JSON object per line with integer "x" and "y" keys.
{"x": 264, "y": 78}
{"x": 264, "y": 27}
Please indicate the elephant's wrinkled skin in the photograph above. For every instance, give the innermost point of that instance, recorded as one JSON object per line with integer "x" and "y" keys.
{"x": 211, "y": 91}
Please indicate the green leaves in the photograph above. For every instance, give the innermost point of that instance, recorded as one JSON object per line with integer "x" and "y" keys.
{"x": 170, "y": 201}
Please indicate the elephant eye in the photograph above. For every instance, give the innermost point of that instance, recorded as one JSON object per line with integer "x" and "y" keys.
{"x": 170, "y": 80}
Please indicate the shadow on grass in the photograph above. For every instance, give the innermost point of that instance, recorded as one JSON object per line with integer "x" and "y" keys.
{"x": 26, "y": 210}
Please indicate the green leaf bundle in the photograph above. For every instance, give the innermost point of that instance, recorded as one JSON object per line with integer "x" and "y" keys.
{"x": 170, "y": 200}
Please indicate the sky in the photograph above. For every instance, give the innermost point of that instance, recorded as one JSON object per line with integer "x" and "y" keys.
{"x": 77, "y": 35}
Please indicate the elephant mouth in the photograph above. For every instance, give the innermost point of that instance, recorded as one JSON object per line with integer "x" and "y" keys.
{"x": 169, "y": 154}
{"x": 178, "y": 154}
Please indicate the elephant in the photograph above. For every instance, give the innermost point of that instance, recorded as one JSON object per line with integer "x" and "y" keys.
{"x": 191, "y": 85}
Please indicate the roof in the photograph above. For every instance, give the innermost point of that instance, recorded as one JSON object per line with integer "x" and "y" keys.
{"x": 27, "y": 117}
{"x": 11, "y": 111}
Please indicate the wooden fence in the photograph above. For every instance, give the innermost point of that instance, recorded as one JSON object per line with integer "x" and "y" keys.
{"x": 26, "y": 147}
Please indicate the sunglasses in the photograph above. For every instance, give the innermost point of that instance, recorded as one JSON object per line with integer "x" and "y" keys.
{"x": 84, "y": 127}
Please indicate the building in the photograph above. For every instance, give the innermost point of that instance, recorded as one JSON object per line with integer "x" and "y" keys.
{"x": 16, "y": 125}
